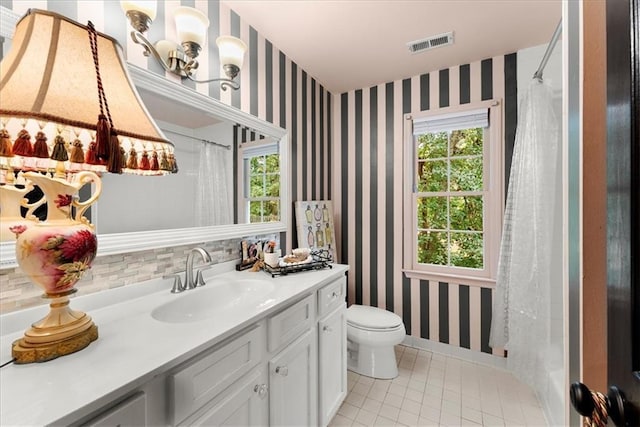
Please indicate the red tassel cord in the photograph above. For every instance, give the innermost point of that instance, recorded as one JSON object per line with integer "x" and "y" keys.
{"x": 59, "y": 149}
{"x": 114, "y": 165}
{"x": 6, "y": 148}
{"x": 144, "y": 162}
{"x": 103, "y": 136}
{"x": 22, "y": 146}
{"x": 40, "y": 148}
{"x": 132, "y": 161}
{"x": 155, "y": 165}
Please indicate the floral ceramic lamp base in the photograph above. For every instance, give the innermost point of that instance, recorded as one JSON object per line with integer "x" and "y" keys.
{"x": 63, "y": 331}
{"x": 55, "y": 254}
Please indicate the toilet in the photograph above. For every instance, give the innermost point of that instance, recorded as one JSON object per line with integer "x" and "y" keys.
{"x": 372, "y": 334}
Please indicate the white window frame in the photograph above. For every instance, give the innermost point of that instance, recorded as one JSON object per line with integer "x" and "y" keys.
{"x": 493, "y": 196}
{"x": 247, "y": 152}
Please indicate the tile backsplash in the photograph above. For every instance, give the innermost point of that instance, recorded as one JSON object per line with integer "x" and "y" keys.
{"x": 111, "y": 271}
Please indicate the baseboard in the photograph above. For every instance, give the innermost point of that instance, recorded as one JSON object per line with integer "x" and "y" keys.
{"x": 458, "y": 352}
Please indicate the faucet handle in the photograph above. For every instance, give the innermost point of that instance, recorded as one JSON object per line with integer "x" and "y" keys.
{"x": 199, "y": 277}
{"x": 177, "y": 283}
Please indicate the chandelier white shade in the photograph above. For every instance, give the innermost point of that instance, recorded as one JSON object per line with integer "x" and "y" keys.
{"x": 179, "y": 57}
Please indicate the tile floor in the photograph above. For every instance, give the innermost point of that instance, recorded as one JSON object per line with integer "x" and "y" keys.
{"x": 436, "y": 390}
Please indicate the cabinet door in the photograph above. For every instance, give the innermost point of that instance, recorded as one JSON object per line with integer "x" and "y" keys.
{"x": 332, "y": 364}
{"x": 243, "y": 404}
{"x": 293, "y": 383}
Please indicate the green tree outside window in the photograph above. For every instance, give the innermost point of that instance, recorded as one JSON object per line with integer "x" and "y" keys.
{"x": 450, "y": 200}
{"x": 264, "y": 188}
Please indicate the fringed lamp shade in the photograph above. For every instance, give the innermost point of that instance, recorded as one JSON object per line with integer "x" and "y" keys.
{"x": 49, "y": 102}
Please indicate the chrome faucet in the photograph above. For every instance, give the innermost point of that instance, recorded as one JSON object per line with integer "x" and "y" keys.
{"x": 189, "y": 282}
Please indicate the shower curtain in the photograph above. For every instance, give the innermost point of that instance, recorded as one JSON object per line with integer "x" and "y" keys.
{"x": 214, "y": 193}
{"x": 520, "y": 322}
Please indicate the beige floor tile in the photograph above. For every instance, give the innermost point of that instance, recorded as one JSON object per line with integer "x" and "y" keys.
{"x": 414, "y": 395}
{"x": 371, "y": 405}
{"x": 361, "y": 388}
{"x": 390, "y": 412}
{"x": 377, "y": 394}
{"x": 448, "y": 419}
{"x": 436, "y": 390}
{"x": 393, "y": 400}
{"x": 355, "y": 399}
{"x": 397, "y": 389}
{"x": 384, "y": 422}
{"x": 340, "y": 420}
{"x": 347, "y": 410}
{"x": 411, "y": 406}
{"x": 366, "y": 417}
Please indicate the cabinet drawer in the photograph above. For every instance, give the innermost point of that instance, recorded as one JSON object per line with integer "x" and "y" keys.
{"x": 131, "y": 412}
{"x": 289, "y": 323}
{"x": 331, "y": 296}
{"x": 202, "y": 380}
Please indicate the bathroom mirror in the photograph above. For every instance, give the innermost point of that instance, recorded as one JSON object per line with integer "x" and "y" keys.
{"x": 139, "y": 213}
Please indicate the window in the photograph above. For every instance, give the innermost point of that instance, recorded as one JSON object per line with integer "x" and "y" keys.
{"x": 262, "y": 183}
{"x": 455, "y": 181}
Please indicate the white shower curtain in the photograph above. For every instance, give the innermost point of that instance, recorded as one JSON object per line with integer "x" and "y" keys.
{"x": 520, "y": 322}
{"x": 214, "y": 193}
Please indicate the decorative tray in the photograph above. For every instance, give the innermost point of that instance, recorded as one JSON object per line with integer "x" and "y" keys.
{"x": 320, "y": 259}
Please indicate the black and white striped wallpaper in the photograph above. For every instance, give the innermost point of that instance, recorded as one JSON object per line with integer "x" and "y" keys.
{"x": 344, "y": 147}
{"x": 273, "y": 87}
{"x": 369, "y": 195}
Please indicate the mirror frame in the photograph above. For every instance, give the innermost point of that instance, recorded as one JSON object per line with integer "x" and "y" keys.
{"x": 110, "y": 244}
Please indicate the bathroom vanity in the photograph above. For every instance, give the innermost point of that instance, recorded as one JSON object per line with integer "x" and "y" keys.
{"x": 245, "y": 349}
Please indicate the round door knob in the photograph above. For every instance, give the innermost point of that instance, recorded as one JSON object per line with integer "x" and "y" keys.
{"x": 581, "y": 399}
{"x": 261, "y": 390}
{"x": 282, "y": 370}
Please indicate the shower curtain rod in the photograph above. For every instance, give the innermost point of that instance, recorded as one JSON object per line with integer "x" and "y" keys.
{"x": 547, "y": 54}
{"x": 228, "y": 147}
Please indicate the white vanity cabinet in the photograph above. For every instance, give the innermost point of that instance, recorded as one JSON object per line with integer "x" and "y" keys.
{"x": 293, "y": 365}
{"x": 293, "y": 383}
{"x": 284, "y": 364}
{"x": 221, "y": 386}
{"x": 332, "y": 350}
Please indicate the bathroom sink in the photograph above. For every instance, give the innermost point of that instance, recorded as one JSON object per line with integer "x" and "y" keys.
{"x": 216, "y": 296}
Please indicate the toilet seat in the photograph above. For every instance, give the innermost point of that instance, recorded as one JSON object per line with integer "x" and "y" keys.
{"x": 372, "y": 318}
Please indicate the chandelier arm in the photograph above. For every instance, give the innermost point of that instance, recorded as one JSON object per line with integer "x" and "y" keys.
{"x": 224, "y": 83}
{"x": 138, "y": 38}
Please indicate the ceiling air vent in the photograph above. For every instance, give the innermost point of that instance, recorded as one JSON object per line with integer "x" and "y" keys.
{"x": 431, "y": 42}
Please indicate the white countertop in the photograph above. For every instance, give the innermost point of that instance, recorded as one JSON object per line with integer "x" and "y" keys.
{"x": 131, "y": 348}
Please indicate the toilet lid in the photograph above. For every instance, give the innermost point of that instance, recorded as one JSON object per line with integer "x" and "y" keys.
{"x": 372, "y": 317}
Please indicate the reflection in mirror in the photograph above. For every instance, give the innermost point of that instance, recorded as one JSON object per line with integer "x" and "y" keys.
{"x": 199, "y": 195}
{"x": 212, "y": 187}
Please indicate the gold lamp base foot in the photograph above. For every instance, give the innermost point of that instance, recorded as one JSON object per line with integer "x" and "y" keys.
{"x": 25, "y": 352}
{"x": 63, "y": 331}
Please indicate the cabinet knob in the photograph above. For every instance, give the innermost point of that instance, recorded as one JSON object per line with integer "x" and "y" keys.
{"x": 282, "y": 370}
{"x": 327, "y": 328}
{"x": 261, "y": 390}
{"x": 334, "y": 295}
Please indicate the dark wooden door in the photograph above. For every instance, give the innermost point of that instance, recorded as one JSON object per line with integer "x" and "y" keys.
{"x": 622, "y": 403}
{"x": 623, "y": 213}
